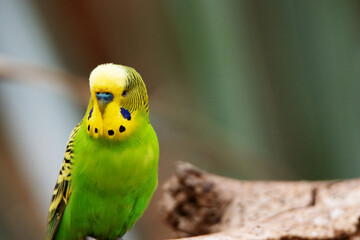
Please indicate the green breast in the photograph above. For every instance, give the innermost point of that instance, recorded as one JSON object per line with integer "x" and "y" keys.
{"x": 112, "y": 182}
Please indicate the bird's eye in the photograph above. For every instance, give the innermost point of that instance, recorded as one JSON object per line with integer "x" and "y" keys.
{"x": 124, "y": 93}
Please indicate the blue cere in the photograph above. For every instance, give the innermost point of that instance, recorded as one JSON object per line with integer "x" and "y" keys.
{"x": 90, "y": 113}
{"x": 105, "y": 96}
{"x": 125, "y": 113}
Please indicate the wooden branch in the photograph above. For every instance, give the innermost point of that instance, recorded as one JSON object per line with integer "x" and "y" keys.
{"x": 199, "y": 203}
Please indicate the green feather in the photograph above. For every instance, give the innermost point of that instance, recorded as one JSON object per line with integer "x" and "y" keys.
{"x": 105, "y": 184}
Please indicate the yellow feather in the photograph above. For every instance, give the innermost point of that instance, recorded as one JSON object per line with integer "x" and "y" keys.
{"x": 115, "y": 79}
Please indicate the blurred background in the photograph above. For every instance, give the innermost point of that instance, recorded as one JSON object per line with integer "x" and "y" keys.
{"x": 245, "y": 89}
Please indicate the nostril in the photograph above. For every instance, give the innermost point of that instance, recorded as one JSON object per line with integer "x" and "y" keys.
{"x": 106, "y": 96}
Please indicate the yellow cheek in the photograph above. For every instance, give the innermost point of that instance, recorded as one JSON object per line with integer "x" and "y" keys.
{"x": 115, "y": 125}
{"x": 110, "y": 125}
{"x": 94, "y": 124}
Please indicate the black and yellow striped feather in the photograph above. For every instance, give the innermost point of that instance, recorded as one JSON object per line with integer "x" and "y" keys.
{"x": 62, "y": 190}
{"x": 139, "y": 98}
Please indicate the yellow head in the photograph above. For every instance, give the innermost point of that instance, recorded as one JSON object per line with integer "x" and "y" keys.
{"x": 118, "y": 103}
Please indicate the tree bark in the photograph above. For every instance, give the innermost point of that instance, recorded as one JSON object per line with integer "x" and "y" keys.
{"x": 198, "y": 203}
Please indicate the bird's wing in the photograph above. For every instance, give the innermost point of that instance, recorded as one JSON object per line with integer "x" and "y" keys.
{"x": 62, "y": 188}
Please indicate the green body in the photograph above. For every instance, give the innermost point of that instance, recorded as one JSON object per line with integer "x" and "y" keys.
{"x": 112, "y": 183}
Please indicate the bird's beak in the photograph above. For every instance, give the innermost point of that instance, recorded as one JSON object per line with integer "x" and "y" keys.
{"x": 103, "y": 99}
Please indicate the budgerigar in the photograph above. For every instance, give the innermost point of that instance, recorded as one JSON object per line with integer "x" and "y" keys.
{"x": 109, "y": 172}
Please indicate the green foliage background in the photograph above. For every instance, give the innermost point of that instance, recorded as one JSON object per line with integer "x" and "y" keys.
{"x": 246, "y": 89}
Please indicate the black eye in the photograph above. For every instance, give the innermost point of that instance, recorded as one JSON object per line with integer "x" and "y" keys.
{"x": 124, "y": 93}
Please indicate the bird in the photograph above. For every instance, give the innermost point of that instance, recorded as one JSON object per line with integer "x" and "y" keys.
{"x": 110, "y": 168}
